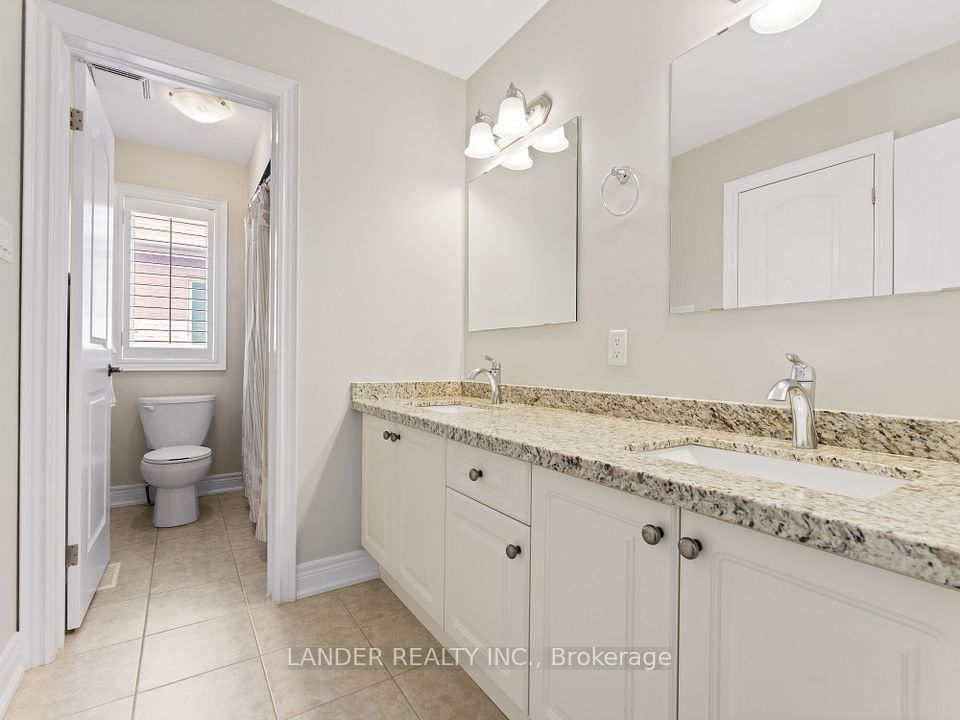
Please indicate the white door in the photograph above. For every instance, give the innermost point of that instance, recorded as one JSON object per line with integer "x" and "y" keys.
{"x": 90, "y": 392}
{"x": 487, "y": 591}
{"x": 926, "y": 241}
{"x": 596, "y": 583}
{"x": 769, "y": 628}
{"x": 809, "y": 237}
{"x": 376, "y": 500}
{"x": 418, "y": 527}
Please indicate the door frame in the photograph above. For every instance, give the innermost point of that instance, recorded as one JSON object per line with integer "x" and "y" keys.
{"x": 53, "y": 36}
{"x": 880, "y": 146}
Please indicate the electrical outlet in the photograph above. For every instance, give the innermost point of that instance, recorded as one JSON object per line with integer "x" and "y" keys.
{"x": 617, "y": 347}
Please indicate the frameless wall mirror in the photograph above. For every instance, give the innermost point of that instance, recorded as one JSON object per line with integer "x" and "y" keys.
{"x": 819, "y": 163}
{"x": 522, "y": 236}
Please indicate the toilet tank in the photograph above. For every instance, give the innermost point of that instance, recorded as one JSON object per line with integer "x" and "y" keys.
{"x": 170, "y": 420}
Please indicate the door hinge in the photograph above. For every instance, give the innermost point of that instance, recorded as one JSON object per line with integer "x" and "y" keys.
{"x": 73, "y": 554}
{"x": 76, "y": 119}
{"x": 873, "y": 196}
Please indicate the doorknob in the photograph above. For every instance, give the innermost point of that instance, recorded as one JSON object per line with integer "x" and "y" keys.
{"x": 513, "y": 551}
{"x": 111, "y": 369}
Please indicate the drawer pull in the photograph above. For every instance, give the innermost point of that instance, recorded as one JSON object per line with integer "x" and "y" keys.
{"x": 475, "y": 474}
{"x": 387, "y": 434}
{"x": 394, "y": 437}
{"x": 513, "y": 551}
{"x": 651, "y": 534}
{"x": 690, "y": 548}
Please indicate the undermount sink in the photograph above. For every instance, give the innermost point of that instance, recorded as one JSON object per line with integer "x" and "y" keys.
{"x": 454, "y": 409}
{"x": 851, "y": 483}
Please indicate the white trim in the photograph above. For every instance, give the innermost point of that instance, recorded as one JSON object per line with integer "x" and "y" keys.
{"x": 334, "y": 572}
{"x": 52, "y": 34}
{"x": 125, "y": 495}
{"x": 880, "y": 146}
{"x": 11, "y": 671}
{"x": 214, "y": 211}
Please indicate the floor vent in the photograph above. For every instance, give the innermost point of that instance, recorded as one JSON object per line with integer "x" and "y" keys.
{"x": 110, "y": 575}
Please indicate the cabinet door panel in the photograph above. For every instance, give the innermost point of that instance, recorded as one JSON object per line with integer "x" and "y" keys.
{"x": 596, "y": 583}
{"x": 487, "y": 594}
{"x": 376, "y": 502}
{"x": 769, "y": 628}
{"x": 418, "y": 500}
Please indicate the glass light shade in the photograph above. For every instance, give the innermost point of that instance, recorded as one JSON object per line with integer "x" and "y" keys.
{"x": 512, "y": 119}
{"x": 481, "y": 144}
{"x": 781, "y": 15}
{"x": 520, "y": 160}
{"x": 553, "y": 142}
{"x": 200, "y": 107}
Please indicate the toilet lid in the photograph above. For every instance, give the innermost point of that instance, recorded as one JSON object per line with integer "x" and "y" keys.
{"x": 177, "y": 454}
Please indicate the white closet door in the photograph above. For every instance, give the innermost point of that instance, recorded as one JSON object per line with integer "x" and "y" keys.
{"x": 809, "y": 237}
{"x": 926, "y": 253}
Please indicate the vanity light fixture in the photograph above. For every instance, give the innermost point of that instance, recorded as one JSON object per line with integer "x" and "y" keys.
{"x": 553, "y": 142}
{"x": 778, "y": 16}
{"x": 517, "y": 118}
{"x": 200, "y": 107}
{"x": 519, "y": 160}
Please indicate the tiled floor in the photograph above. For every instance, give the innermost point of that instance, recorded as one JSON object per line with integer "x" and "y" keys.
{"x": 188, "y": 634}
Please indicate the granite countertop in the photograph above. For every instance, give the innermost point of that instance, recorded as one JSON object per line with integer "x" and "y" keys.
{"x": 914, "y": 529}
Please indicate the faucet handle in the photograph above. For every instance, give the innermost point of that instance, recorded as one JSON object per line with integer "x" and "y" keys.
{"x": 494, "y": 364}
{"x": 801, "y": 371}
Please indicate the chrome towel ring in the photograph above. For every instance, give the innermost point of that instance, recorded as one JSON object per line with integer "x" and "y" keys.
{"x": 623, "y": 175}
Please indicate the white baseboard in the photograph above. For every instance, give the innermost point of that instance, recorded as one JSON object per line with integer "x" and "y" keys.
{"x": 11, "y": 672}
{"x": 334, "y": 572}
{"x": 123, "y": 495}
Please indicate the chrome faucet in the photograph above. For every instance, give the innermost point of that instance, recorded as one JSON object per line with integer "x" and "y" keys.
{"x": 493, "y": 375}
{"x": 800, "y": 390}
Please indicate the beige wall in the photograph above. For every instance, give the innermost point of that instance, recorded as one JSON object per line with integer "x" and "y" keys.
{"x": 608, "y": 60}
{"x": 380, "y": 278}
{"x": 10, "y": 25}
{"x": 906, "y": 99}
{"x": 144, "y": 165}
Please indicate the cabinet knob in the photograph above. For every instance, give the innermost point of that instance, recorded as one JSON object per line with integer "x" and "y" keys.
{"x": 475, "y": 474}
{"x": 690, "y": 548}
{"x": 387, "y": 434}
{"x": 651, "y": 534}
{"x": 513, "y": 551}
{"x": 394, "y": 437}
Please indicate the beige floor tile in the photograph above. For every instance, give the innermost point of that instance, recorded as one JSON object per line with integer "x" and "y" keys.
{"x": 370, "y": 600}
{"x": 127, "y": 587}
{"x": 382, "y": 701}
{"x": 131, "y": 525}
{"x": 73, "y": 683}
{"x": 401, "y": 631}
{"x": 255, "y": 589}
{"x": 231, "y": 693}
{"x": 232, "y": 500}
{"x": 251, "y": 560}
{"x": 446, "y": 693}
{"x": 107, "y": 625}
{"x": 176, "y": 608}
{"x": 210, "y": 519}
{"x": 182, "y": 548}
{"x": 119, "y": 710}
{"x": 299, "y": 688}
{"x": 181, "y": 573}
{"x": 304, "y": 623}
{"x": 236, "y": 516}
{"x": 242, "y": 536}
{"x": 181, "y": 653}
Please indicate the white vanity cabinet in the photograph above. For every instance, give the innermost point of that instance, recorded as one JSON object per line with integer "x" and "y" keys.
{"x": 595, "y": 582}
{"x": 769, "y": 628}
{"x": 402, "y": 508}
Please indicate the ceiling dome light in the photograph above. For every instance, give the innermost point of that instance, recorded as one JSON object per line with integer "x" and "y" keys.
{"x": 520, "y": 160}
{"x": 512, "y": 119}
{"x": 200, "y": 107}
{"x": 553, "y": 142}
{"x": 781, "y": 15}
{"x": 482, "y": 144}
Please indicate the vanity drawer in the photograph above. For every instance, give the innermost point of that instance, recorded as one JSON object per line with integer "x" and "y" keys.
{"x": 501, "y": 482}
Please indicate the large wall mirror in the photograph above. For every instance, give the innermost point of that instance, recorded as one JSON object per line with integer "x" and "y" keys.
{"x": 819, "y": 163}
{"x": 522, "y": 237}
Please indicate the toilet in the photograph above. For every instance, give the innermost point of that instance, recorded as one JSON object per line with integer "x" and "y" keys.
{"x": 175, "y": 427}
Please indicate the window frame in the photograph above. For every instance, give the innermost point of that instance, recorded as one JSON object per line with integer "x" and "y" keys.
{"x": 147, "y": 199}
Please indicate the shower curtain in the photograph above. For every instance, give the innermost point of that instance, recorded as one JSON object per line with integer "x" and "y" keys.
{"x": 255, "y": 471}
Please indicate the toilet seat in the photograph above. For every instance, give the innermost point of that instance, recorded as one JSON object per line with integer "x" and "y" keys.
{"x": 177, "y": 454}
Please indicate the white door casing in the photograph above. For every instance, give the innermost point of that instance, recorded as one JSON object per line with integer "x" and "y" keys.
{"x": 91, "y": 322}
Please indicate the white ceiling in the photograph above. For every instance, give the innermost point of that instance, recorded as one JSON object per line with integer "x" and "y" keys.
{"x": 452, "y": 35}
{"x": 157, "y": 122}
{"x": 740, "y": 78}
